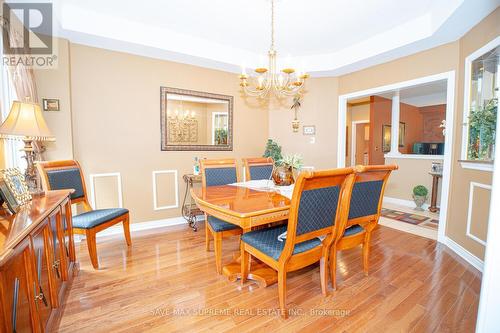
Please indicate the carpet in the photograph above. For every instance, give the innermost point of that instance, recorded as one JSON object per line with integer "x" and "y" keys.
{"x": 415, "y": 219}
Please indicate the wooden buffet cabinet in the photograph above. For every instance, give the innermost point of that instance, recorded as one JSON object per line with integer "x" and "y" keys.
{"x": 37, "y": 263}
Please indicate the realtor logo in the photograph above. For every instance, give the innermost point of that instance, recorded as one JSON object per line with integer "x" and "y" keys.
{"x": 27, "y": 33}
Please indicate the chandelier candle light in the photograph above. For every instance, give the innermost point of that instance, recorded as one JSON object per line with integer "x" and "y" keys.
{"x": 287, "y": 82}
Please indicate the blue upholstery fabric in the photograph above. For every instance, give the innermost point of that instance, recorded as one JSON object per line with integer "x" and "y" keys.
{"x": 220, "y": 176}
{"x": 96, "y": 217}
{"x": 266, "y": 241}
{"x": 261, "y": 172}
{"x": 218, "y": 225}
{"x": 353, "y": 230}
{"x": 365, "y": 198}
{"x": 317, "y": 209}
{"x": 66, "y": 179}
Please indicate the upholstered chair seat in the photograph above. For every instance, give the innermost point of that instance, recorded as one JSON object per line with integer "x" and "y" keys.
{"x": 219, "y": 225}
{"x": 97, "y": 217}
{"x": 60, "y": 175}
{"x": 353, "y": 230}
{"x": 218, "y": 173}
{"x": 266, "y": 241}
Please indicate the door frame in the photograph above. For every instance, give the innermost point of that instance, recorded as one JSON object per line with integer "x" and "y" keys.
{"x": 353, "y": 138}
{"x": 448, "y": 146}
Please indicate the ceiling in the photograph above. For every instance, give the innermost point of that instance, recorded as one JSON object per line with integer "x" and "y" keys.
{"x": 433, "y": 93}
{"x": 323, "y": 37}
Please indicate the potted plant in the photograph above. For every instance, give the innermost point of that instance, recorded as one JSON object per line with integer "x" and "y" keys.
{"x": 283, "y": 173}
{"x": 273, "y": 150}
{"x": 482, "y": 127}
{"x": 420, "y": 196}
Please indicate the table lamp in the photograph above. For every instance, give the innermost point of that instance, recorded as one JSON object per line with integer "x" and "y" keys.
{"x": 25, "y": 122}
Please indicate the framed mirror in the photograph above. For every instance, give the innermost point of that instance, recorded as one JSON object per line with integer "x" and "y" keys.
{"x": 195, "y": 121}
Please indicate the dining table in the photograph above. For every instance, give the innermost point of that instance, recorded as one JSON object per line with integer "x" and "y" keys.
{"x": 248, "y": 208}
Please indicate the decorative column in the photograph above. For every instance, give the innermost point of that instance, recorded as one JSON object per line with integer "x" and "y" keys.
{"x": 395, "y": 125}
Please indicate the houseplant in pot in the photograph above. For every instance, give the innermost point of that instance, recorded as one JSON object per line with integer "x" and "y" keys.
{"x": 420, "y": 196}
{"x": 273, "y": 150}
{"x": 283, "y": 172}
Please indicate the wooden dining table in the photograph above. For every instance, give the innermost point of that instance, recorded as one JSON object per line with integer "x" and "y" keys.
{"x": 248, "y": 209}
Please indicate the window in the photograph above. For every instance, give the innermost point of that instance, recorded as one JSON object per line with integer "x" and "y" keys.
{"x": 481, "y": 103}
{"x": 219, "y": 128}
{"x": 12, "y": 148}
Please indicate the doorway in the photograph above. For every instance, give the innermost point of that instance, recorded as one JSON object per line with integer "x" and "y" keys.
{"x": 410, "y": 150}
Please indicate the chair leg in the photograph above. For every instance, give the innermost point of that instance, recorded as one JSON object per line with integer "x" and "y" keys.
{"x": 333, "y": 266}
{"x": 218, "y": 251}
{"x": 126, "y": 230}
{"x": 366, "y": 252}
{"x": 323, "y": 271}
{"x": 245, "y": 263}
{"x": 208, "y": 234}
{"x": 91, "y": 245}
{"x": 282, "y": 291}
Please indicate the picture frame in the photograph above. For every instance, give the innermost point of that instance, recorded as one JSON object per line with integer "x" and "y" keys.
{"x": 386, "y": 136}
{"x": 16, "y": 183}
{"x": 50, "y": 104}
{"x": 7, "y": 197}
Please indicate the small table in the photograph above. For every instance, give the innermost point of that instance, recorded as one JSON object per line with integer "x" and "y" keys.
{"x": 189, "y": 209}
{"x": 435, "y": 184}
{"x": 245, "y": 208}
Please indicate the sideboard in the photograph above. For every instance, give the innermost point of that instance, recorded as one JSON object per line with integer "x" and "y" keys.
{"x": 37, "y": 263}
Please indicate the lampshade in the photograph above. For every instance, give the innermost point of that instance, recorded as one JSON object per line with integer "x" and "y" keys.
{"x": 25, "y": 121}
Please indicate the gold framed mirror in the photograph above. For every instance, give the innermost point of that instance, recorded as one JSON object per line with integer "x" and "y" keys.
{"x": 195, "y": 121}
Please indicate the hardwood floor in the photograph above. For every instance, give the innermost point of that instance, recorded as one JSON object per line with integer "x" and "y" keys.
{"x": 414, "y": 285}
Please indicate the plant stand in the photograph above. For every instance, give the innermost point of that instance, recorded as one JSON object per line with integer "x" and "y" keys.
{"x": 435, "y": 185}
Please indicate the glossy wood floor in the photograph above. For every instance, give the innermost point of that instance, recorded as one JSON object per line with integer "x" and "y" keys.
{"x": 415, "y": 285}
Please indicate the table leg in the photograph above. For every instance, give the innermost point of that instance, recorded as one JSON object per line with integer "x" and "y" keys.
{"x": 258, "y": 271}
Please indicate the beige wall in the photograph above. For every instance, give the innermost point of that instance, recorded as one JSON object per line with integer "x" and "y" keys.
{"x": 319, "y": 108}
{"x": 480, "y": 35}
{"x": 55, "y": 83}
{"x": 116, "y": 114}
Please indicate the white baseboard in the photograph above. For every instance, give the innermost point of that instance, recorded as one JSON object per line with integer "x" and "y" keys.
{"x": 140, "y": 226}
{"x": 462, "y": 252}
{"x": 403, "y": 202}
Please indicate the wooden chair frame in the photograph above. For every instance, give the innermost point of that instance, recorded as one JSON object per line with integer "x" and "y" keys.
{"x": 369, "y": 222}
{"x": 90, "y": 233}
{"x": 209, "y": 232}
{"x": 255, "y": 161}
{"x": 288, "y": 261}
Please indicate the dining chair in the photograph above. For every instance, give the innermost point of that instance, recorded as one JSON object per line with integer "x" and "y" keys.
{"x": 67, "y": 174}
{"x": 257, "y": 168}
{"x": 215, "y": 172}
{"x": 318, "y": 203}
{"x": 365, "y": 206}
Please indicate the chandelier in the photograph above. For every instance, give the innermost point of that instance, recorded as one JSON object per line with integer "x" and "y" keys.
{"x": 286, "y": 82}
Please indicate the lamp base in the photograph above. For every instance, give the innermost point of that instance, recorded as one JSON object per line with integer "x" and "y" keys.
{"x": 30, "y": 174}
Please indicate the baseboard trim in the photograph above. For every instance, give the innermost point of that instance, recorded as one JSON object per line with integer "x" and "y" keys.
{"x": 464, "y": 254}
{"x": 403, "y": 202}
{"x": 140, "y": 226}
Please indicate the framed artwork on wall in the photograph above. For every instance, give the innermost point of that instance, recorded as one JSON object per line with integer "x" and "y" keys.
{"x": 50, "y": 104}
{"x": 16, "y": 183}
{"x": 386, "y": 137}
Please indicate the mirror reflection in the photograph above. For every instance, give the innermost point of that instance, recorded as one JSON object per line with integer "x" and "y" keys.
{"x": 195, "y": 120}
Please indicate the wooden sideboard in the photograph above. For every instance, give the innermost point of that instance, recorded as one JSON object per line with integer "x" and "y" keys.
{"x": 37, "y": 263}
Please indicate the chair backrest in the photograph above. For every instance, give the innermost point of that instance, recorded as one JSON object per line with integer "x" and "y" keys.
{"x": 368, "y": 193}
{"x": 60, "y": 175}
{"x": 258, "y": 168}
{"x": 216, "y": 172}
{"x": 319, "y": 202}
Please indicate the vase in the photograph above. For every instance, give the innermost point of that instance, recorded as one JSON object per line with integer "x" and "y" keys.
{"x": 295, "y": 125}
{"x": 283, "y": 176}
{"x": 419, "y": 202}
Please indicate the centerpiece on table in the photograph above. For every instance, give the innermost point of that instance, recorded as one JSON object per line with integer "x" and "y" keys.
{"x": 283, "y": 172}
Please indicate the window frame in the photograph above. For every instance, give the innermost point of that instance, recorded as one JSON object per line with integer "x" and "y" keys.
{"x": 464, "y": 161}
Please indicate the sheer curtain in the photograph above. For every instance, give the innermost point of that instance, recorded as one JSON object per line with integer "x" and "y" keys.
{"x": 12, "y": 153}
